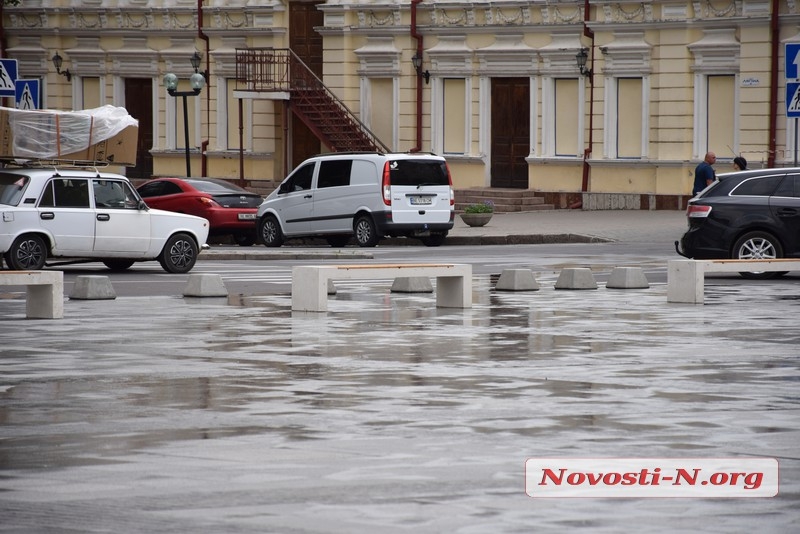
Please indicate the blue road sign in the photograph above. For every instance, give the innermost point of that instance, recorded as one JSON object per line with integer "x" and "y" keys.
{"x": 8, "y": 77}
{"x": 793, "y": 99}
{"x": 27, "y": 96}
{"x": 792, "y": 68}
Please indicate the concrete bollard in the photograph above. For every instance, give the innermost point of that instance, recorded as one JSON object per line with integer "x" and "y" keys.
{"x": 516, "y": 280}
{"x": 412, "y": 284}
{"x": 205, "y": 285}
{"x": 627, "y": 278}
{"x": 331, "y": 287}
{"x": 92, "y": 287}
{"x": 576, "y": 278}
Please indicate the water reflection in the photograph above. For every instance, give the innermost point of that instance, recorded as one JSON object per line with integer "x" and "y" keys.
{"x": 386, "y": 398}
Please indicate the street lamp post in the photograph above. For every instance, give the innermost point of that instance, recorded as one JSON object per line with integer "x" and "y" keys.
{"x": 197, "y": 82}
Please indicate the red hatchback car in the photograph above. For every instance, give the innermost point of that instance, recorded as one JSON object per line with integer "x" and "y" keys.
{"x": 229, "y": 209}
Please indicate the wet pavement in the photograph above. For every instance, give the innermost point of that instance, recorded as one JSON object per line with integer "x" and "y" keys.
{"x": 387, "y": 415}
{"x": 171, "y": 414}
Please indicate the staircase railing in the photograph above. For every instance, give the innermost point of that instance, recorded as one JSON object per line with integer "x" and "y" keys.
{"x": 281, "y": 70}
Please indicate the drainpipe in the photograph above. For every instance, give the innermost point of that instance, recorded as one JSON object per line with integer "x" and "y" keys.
{"x": 587, "y": 152}
{"x": 773, "y": 97}
{"x": 416, "y": 35}
{"x": 203, "y": 36}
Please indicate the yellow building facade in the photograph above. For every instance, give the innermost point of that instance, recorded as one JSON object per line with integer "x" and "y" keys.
{"x": 499, "y": 90}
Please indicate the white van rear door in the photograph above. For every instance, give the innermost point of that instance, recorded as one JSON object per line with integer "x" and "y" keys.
{"x": 420, "y": 189}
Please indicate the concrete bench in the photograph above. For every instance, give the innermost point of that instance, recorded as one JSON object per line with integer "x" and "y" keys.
{"x": 45, "y": 292}
{"x": 686, "y": 278}
{"x": 310, "y": 282}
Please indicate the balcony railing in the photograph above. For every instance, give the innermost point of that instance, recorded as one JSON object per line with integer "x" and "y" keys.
{"x": 280, "y": 70}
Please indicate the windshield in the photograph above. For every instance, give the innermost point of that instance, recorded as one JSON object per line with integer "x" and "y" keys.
{"x": 216, "y": 188}
{"x": 418, "y": 172}
{"x": 12, "y": 188}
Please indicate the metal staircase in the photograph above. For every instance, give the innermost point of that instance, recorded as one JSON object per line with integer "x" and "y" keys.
{"x": 280, "y": 71}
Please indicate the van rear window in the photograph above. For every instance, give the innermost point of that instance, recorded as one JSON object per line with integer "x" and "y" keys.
{"x": 416, "y": 172}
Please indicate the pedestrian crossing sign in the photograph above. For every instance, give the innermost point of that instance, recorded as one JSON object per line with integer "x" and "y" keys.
{"x": 27, "y": 95}
{"x": 793, "y": 100}
{"x": 8, "y": 77}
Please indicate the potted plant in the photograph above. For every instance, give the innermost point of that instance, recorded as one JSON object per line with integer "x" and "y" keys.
{"x": 478, "y": 214}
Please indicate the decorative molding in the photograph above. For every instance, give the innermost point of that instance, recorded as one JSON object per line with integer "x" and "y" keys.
{"x": 451, "y": 56}
{"x": 717, "y": 51}
{"x": 378, "y": 57}
{"x": 125, "y": 19}
{"x": 507, "y": 56}
{"x": 627, "y": 54}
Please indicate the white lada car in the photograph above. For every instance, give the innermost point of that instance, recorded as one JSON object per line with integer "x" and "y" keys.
{"x": 79, "y": 215}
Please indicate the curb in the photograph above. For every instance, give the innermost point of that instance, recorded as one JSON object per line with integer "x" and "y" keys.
{"x": 259, "y": 252}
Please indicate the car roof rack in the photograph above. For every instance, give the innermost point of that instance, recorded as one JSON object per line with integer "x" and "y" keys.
{"x": 52, "y": 163}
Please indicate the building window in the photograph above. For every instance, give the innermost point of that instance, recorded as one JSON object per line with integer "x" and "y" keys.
{"x": 228, "y": 118}
{"x": 566, "y": 117}
{"x": 175, "y": 119}
{"x": 720, "y": 117}
{"x": 90, "y": 93}
{"x": 629, "y": 127}
{"x": 454, "y": 115}
{"x": 716, "y": 100}
{"x": 382, "y": 112}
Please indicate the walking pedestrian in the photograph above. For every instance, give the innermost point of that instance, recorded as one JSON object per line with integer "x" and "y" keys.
{"x": 704, "y": 173}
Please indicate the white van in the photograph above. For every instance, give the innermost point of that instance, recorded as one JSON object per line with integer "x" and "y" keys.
{"x": 338, "y": 196}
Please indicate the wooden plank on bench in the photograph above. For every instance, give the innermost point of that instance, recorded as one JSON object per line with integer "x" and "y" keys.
{"x": 44, "y": 297}
{"x": 310, "y": 282}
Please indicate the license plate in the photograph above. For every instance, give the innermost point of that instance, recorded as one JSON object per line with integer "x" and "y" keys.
{"x": 421, "y": 201}
{"x": 247, "y": 216}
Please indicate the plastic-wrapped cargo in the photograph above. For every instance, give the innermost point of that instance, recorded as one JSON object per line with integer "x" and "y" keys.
{"x": 105, "y": 134}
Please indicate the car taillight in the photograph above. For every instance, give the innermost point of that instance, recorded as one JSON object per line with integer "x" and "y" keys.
{"x": 207, "y": 201}
{"x": 387, "y": 185}
{"x": 697, "y": 212}
{"x": 450, "y": 181}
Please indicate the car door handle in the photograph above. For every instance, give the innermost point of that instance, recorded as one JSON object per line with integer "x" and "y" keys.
{"x": 47, "y": 216}
{"x": 787, "y": 212}
{"x": 307, "y": 196}
{"x": 103, "y": 217}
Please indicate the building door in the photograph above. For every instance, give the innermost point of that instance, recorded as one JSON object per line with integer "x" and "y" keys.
{"x": 510, "y": 132}
{"x": 139, "y": 103}
{"x": 307, "y": 44}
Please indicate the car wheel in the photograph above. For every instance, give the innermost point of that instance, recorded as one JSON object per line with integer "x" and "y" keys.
{"x": 245, "y": 240}
{"x": 338, "y": 241}
{"x": 179, "y": 254}
{"x": 433, "y": 240}
{"x": 758, "y": 246}
{"x": 366, "y": 233}
{"x": 270, "y": 231}
{"x": 27, "y": 253}
{"x": 118, "y": 265}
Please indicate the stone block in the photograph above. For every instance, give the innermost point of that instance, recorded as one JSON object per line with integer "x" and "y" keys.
{"x": 205, "y": 285}
{"x": 331, "y": 287}
{"x": 576, "y": 278}
{"x": 516, "y": 280}
{"x": 92, "y": 287}
{"x": 627, "y": 278}
{"x": 412, "y": 284}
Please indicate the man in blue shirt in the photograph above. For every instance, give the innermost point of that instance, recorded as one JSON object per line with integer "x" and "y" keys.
{"x": 704, "y": 173}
